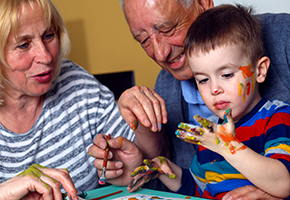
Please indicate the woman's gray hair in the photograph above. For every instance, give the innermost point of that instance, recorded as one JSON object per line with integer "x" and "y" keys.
{"x": 186, "y": 3}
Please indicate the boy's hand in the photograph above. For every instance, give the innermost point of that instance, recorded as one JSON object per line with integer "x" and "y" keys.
{"x": 218, "y": 138}
{"x": 149, "y": 171}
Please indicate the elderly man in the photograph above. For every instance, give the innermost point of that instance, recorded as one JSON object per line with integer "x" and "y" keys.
{"x": 160, "y": 27}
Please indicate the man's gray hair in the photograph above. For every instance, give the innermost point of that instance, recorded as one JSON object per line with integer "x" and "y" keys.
{"x": 186, "y": 3}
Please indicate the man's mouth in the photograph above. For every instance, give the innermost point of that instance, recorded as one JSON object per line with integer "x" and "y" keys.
{"x": 177, "y": 58}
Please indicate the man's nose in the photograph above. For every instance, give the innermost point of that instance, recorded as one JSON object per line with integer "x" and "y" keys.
{"x": 161, "y": 48}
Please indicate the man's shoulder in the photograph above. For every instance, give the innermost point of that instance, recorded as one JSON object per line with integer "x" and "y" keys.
{"x": 166, "y": 83}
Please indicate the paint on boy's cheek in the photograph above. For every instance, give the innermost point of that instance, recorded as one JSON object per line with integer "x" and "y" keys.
{"x": 246, "y": 90}
{"x": 246, "y": 71}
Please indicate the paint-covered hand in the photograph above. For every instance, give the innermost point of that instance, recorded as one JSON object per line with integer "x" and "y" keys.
{"x": 38, "y": 182}
{"x": 149, "y": 171}
{"x": 218, "y": 138}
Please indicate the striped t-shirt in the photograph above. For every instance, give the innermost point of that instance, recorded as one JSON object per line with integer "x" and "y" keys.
{"x": 266, "y": 130}
{"x": 76, "y": 108}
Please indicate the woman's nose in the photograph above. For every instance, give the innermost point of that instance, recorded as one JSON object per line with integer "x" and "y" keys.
{"x": 42, "y": 54}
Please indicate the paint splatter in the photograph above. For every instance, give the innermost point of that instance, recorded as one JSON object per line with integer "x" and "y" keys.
{"x": 246, "y": 70}
{"x": 134, "y": 125}
{"x": 228, "y": 138}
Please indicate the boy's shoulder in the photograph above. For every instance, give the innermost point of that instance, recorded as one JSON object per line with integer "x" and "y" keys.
{"x": 276, "y": 106}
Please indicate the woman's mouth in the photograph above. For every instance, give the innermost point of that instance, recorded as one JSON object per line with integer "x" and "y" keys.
{"x": 44, "y": 77}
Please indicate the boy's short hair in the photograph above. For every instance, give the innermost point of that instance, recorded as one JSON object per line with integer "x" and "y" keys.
{"x": 226, "y": 24}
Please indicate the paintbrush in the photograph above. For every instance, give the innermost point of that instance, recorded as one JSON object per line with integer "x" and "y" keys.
{"x": 102, "y": 179}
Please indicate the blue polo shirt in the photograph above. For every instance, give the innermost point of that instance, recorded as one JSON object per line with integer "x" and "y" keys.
{"x": 194, "y": 100}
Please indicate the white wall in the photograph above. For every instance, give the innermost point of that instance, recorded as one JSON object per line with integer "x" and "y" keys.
{"x": 261, "y": 6}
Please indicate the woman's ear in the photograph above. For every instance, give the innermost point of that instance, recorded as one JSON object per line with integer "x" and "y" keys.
{"x": 262, "y": 69}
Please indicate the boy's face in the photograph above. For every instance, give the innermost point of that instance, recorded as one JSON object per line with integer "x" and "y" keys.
{"x": 226, "y": 79}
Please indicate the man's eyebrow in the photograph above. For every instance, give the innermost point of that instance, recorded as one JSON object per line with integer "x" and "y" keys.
{"x": 156, "y": 28}
{"x": 162, "y": 25}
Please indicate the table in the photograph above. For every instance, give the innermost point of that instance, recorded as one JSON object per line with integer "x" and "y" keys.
{"x": 112, "y": 188}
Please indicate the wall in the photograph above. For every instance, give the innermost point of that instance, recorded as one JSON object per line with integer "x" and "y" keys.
{"x": 102, "y": 42}
{"x": 101, "y": 39}
{"x": 262, "y": 6}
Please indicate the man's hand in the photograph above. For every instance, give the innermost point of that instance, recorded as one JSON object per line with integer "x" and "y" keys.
{"x": 248, "y": 192}
{"x": 144, "y": 105}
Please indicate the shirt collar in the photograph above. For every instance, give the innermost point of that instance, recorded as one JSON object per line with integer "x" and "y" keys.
{"x": 190, "y": 92}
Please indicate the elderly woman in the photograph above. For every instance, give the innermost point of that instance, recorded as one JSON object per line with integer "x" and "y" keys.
{"x": 51, "y": 109}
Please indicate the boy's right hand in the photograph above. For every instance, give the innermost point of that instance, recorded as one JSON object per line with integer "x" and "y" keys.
{"x": 151, "y": 170}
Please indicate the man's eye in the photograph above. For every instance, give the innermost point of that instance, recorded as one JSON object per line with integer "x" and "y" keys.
{"x": 168, "y": 33}
{"x": 145, "y": 43}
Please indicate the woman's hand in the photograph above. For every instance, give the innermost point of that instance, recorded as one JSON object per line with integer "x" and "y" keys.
{"x": 218, "y": 138}
{"x": 151, "y": 170}
{"x": 124, "y": 156}
{"x": 143, "y": 104}
{"x": 38, "y": 182}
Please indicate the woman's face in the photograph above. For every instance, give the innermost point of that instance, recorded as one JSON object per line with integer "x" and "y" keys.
{"x": 31, "y": 54}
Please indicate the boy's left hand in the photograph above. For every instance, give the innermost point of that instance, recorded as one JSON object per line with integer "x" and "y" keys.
{"x": 218, "y": 138}
{"x": 149, "y": 171}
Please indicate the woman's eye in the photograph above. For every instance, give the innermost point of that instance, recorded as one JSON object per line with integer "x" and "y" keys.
{"x": 23, "y": 46}
{"x": 49, "y": 36}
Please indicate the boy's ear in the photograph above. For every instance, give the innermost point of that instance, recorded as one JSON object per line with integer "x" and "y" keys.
{"x": 205, "y": 4}
{"x": 262, "y": 69}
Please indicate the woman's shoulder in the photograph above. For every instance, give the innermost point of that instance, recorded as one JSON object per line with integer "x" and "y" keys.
{"x": 73, "y": 77}
{"x": 68, "y": 68}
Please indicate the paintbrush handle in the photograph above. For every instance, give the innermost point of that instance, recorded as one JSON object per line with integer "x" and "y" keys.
{"x": 106, "y": 153}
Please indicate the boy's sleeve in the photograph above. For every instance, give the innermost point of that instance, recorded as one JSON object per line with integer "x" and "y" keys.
{"x": 188, "y": 185}
{"x": 277, "y": 145}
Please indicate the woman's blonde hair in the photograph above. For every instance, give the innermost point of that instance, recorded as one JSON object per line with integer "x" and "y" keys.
{"x": 9, "y": 15}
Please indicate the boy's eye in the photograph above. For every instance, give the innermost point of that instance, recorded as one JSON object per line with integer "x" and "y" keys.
{"x": 202, "y": 81}
{"x": 228, "y": 75}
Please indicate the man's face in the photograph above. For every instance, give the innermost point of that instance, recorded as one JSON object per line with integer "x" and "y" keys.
{"x": 160, "y": 26}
